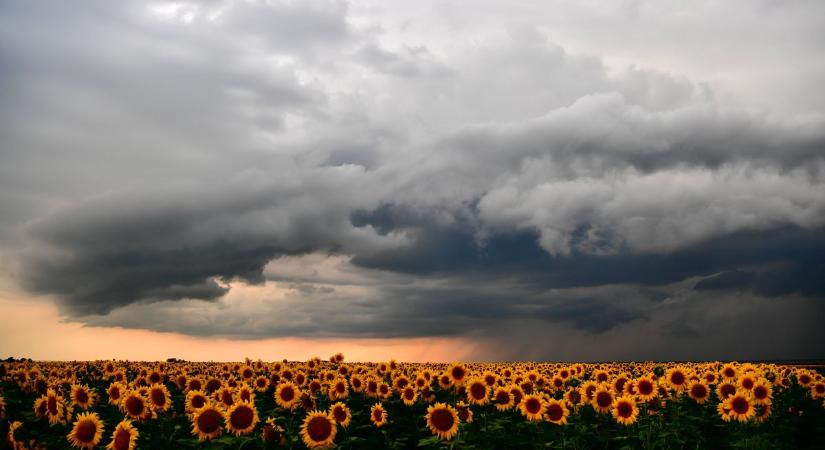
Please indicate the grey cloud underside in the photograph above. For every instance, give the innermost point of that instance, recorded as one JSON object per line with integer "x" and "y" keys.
{"x": 149, "y": 160}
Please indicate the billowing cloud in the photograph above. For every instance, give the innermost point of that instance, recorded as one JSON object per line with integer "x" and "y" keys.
{"x": 334, "y": 169}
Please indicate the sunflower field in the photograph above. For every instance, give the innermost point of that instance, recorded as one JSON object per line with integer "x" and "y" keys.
{"x": 323, "y": 404}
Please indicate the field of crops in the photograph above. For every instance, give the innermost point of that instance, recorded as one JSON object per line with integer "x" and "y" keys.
{"x": 316, "y": 404}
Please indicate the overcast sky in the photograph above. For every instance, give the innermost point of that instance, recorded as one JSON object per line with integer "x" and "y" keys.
{"x": 547, "y": 180}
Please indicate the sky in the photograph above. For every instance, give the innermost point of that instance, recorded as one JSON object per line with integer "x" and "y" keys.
{"x": 425, "y": 181}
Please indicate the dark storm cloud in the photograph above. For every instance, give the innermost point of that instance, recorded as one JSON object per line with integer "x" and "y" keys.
{"x": 399, "y": 184}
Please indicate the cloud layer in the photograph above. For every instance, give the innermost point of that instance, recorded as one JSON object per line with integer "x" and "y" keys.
{"x": 332, "y": 169}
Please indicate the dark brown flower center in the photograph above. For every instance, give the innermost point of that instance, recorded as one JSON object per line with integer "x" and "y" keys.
{"x": 122, "y": 439}
{"x": 442, "y": 419}
{"x": 555, "y": 412}
{"x": 209, "y": 421}
{"x": 134, "y": 406}
{"x": 287, "y": 394}
{"x": 242, "y": 417}
{"x": 644, "y": 387}
{"x": 604, "y": 399}
{"x": 85, "y": 431}
{"x": 624, "y": 409}
{"x": 158, "y": 397}
{"x": 699, "y": 390}
{"x": 740, "y": 405}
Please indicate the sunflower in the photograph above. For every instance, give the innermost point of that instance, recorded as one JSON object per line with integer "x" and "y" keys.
{"x": 723, "y": 411}
{"x": 817, "y": 390}
{"x": 625, "y": 411}
{"x": 518, "y": 394}
{"x": 115, "y": 391}
{"x": 39, "y": 408}
{"x": 557, "y": 412}
{"x": 339, "y": 389}
{"x": 409, "y": 395}
{"x": 158, "y": 396}
{"x": 725, "y": 390}
{"x": 741, "y": 406}
{"x": 804, "y": 378}
{"x": 645, "y": 388}
{"x": 356, "y": 383}
{"x": 241, "y": 418}
{"x": 602, "y": 399}
{"x": 195, "y": 400}
{"x": 194, "y": 384}
{"x": 318, "y": 430}
{"x": 134, "y": 405}
{"x": 86, "y": 431}
{"x": 273, "y": 433}
{"x": 445, "y": 381}
{"x": 245, "y": 393}
{"x": 261, "y": 383}
{"x": 465, "y": 414}
{"x": 400, "y": 382}
{"x": 478, "y": 392}
{"x": 573, "y": 397}
{"x": 82, "y": 396}
{"x": 587, "y": 389}
{"x": 442, "y": 420}
{"x": 490, "y": 378}
{"x": 246, "y": 373}
{"x": 619, "y": 382}
{"x": 763, "y": 412}
{"x": 677, "y": 378}
{"x": 457, "y": 373}
{"x": 340, "y": 413}
{"x": 11, "y": 436}
{"x": 124, "y": 437}
{"x": 746, "y": 381}
{"x": 287, "y": 395}
{"x": 378, "y": 415}
{"x": 206, "y": 422}
{"x": 729, "y": 372}
{"x": 55, "y": 408}
{"x": 503, "y": 399}
{"x": 532, "y": 406}
{"x": 699, "y": 391}
{"x": 224, "y": 396}
{"x": 601, "y": 376}
{"x": 762, "y": 392}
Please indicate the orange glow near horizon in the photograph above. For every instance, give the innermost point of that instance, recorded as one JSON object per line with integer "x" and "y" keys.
{"x": 32, "y": 328}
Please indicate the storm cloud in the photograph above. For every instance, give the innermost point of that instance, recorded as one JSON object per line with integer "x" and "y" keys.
{"x": 348, "y": 169}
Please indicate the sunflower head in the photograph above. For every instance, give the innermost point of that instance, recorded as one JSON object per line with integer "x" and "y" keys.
{"x": 159, "y": 398}
{"x": 272, "y": 433}
{"x": 699, "y": 391}
{"x": 318, "y": 430}
{"x": 86, "y": 431}
{"x": 477, "y": 391}
{"x": 503, "y": 399}
{"x": 207, "y": 422}
{"x": 287, "y": 395}
{"x": 134, "y": 405}
{"x": 532, "y": 407}
{"x": 442, "y": 420}
{"x": 124, "y": 437}
{"x": 602, "y": 399}
{"x": 378, "y": 415}
{"x": 241, "y": 418}
{"x": 740, "y": 405}
{"x": 625, "y": 411}
{"x": 556, "y": 412}
{"x": 340, "y": 413}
